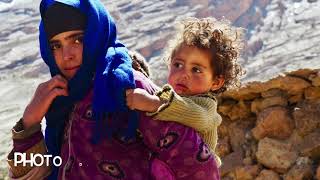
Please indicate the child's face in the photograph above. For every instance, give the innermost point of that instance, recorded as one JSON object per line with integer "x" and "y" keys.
{"x": 191, "y": 72}
{"x": 67, "y": 50}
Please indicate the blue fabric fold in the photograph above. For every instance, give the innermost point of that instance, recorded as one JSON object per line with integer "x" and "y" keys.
{"x": 106, "y": 60}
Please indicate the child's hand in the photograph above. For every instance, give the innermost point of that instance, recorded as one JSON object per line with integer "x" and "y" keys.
{"x": 140, "y": 99}
{"x": 46, "y": 92}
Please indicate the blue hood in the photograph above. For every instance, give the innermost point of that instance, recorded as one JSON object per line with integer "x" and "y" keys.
{"x": 105, "y": 59}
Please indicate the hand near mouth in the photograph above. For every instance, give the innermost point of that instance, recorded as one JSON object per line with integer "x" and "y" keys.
{"x": 45, "y": 93}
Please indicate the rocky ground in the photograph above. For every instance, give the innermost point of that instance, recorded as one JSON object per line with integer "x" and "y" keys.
{"x": 287, "y": 40}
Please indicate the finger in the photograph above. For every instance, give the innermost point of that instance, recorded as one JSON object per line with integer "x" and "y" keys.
{"x": 129, "y": 91}
{"x": 129, "y": 101}
{"x": 56, "y": 83}
{"x": 61, "y": 78}
{"x": 56, "y": 77}
{"x": 131, "y": 107}
{"x": 56, "y": 92}
{"x": 48, "y": 98}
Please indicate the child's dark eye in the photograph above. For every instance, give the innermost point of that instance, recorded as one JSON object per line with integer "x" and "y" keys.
{"x": 196, "y": 70}
{"x": 177, "y": 65}
{"x": 55, "y": 46}
{"x": 79, "y": 39}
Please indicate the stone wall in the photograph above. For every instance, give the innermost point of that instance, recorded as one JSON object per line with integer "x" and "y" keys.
{"x": 270, "y": 130}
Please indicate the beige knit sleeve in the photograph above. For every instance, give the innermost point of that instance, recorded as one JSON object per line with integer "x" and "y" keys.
{"x": 197, "y": 112}
{"x": 211, "y": 139}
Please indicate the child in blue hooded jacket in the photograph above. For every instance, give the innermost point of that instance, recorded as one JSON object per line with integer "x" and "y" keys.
{"x": 88, "y": 124}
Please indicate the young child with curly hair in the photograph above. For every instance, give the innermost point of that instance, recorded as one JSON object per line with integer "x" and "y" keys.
{"x": 202, "y": 62}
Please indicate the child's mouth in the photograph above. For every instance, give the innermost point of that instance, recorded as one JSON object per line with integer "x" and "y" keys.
{"x": 72, "y": 68}
{"x": 181, "y": 87}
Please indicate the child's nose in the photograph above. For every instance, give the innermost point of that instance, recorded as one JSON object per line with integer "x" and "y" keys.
{"x": 185, "y": 74}
{"x": 68, "y": 53}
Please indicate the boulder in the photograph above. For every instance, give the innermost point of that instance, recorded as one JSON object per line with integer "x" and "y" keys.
{"x": 293, "y": 85}
{"x": 273, "y": 92}
{"x": 259, "y": 104}
{"x": 223, "y": 147}
{"x": 268, "y": 175}
{"x": 302, "y": 73}
{"x": 318, "y": 173}
{"x": 231, "y": 162}
{"x": 247, "y": 172}
{"x": 306, "y": 117}
{"x": 273, "y": 122}
{"x": 223, "y": 129}
{"x": 226, "y": 106}
{"x": 295, "y": 139}
{"x": 276, "y": 155}
{"x": 315, "y": 78}
{"x": 293, "y": 99}
{"x": 237, "y": 135}
{"x": 300, "y": 171}
{"x": 247, "y": 161}
{"x": 239, "y": 111}
{"x": 310, "y": 146}
{"x": 312, "y": 93}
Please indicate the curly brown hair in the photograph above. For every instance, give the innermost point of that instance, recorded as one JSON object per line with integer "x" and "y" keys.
{"x": 222, "y": 39}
